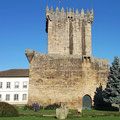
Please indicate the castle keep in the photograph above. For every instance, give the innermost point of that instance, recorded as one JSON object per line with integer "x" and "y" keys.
{"x": 68, "y": 72}
{"x": 69, "y": 33}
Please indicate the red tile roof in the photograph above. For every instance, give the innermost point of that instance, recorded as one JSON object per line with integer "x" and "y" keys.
{"x": 15, "y": 73}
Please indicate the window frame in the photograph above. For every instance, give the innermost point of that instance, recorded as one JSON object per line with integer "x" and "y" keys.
{"x": 7, "y": 98}
{"x": 25, "y": 84}
{"x": 16, "y": 86}
{"x": 16, "y": 97}
{"x": 1, "y": 96}
{"x": 1, "y": 85}
{"x": 8, "y": 86}
{"x": 24, "y": 97}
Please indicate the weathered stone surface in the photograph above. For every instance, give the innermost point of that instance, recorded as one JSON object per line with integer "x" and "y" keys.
{"x": 79, "y": 110}
{"x": 62, "y": 113}
{"x": 69, "y": 33}
{"x": 68, "y": 71}
{"x": 59, "y": 78}
{"x": 29, "y": 54}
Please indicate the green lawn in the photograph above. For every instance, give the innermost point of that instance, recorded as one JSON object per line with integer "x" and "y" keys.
{"x": 52, "y": 118}
{"x": 87, "y": 115}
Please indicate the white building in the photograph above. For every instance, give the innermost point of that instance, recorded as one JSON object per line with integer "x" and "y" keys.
{"x": 14, "y": 86}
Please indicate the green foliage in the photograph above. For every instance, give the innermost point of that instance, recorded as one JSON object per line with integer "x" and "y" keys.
{"x": 99, "y": 103}
{"x": 52, "y": 107}
{"x": 7, "y": 110}
{"x": 69, "y": 118}
{"x": 111, "y": 94}
{"x": 28, "y": 107}
{"x": 49, "y": 107}
{"x": 87, "y": 115}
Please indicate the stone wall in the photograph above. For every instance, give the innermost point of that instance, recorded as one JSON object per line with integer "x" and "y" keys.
{"x": 60, "y": 78}
{"x": 69, "y": 32}
{"x": 68, "y": 71}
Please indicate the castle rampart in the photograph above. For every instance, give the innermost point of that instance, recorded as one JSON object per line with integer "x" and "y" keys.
{"x": 65, "y": 78}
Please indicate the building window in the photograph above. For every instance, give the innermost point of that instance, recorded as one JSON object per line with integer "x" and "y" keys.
{"x": 1, "y": 84}
{"x": 24, "y": 84}
{"x": 7, "y": 97}
{"x": 8, "y": 85}
{"x": 0, "y": 97}
{"x": 16, "y": 84}
{"x": 24, "y": 97}
{"x": 16, "y": 97}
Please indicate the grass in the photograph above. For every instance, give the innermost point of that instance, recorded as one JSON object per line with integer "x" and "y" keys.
{"x": 52, "y": 118}
{"x": 98, "y": 113}
{"x": 87, "y": 115}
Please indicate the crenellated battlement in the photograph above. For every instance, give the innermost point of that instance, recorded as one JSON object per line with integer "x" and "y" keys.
{"x": 69, "y": 31}
{"x": 69, "y": 14}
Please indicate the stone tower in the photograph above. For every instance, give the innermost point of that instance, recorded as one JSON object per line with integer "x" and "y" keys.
{"x": 68, "y": 72}
{"x": 69, "y": 33}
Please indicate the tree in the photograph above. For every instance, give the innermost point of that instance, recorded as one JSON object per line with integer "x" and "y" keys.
{"x": 111, "y": 94}
{"x": 98, "y": 98}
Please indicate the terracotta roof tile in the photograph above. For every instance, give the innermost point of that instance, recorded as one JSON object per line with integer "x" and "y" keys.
{"x": 15, "y": 73}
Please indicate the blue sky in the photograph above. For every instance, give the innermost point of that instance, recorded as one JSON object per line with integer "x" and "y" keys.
{"x": 22, "y": 26}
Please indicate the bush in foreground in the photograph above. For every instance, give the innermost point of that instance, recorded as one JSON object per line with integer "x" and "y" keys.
{"x": 49, "y": 107}
{"x": 52, "y": 107}
{"x": 7, "y": 110}
{"x": 28, "y": 107}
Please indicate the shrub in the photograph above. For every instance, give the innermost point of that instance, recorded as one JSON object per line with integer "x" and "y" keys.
{"x": 52, "y": 107}
{"x": 49, "y": 107}
{"x": 7, "y": 110}
{"x": 28, "y": 107}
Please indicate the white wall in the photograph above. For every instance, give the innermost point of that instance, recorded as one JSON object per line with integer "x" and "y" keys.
{"x": 12, "y": 90}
